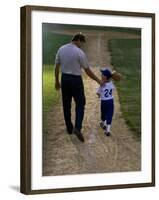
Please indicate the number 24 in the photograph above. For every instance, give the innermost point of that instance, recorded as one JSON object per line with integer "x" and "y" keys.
{"x": 108, "y": 92}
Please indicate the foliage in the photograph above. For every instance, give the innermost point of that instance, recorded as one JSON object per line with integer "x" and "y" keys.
{"x": 126, "y": 58}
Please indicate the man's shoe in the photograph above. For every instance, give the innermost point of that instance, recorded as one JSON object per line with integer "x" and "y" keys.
{"x": 79, "y": 135}
{"x": 70, "y": 129}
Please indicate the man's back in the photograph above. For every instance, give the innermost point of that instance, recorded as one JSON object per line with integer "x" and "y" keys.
{"x": 72, "y": 59}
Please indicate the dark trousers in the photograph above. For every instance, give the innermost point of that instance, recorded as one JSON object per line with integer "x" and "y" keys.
{"x": 107, "y": 110}
{"x": 72, "y": 86}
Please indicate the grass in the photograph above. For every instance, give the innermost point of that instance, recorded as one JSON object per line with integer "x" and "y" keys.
{"x": 126, "y": 58}
{"x": 50, "y": 95}
{"x": 51, "y": 43}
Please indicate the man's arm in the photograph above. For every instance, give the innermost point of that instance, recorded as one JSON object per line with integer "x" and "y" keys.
{"x": 93, "y": 76}
{"x": 57, "y": 82}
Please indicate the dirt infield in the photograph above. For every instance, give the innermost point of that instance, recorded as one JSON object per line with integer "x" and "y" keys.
{"x": 64, "y": 153}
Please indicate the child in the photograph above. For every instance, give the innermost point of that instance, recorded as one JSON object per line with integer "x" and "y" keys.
{"x": 105, "y": 93}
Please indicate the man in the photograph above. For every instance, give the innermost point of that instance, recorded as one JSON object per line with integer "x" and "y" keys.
{"x": 72, "y": 59}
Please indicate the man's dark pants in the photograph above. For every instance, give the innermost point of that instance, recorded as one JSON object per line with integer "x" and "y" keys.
{"x": 72, "y": 86}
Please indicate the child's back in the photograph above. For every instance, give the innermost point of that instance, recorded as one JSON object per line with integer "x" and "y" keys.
{"x": 106, "y": 91}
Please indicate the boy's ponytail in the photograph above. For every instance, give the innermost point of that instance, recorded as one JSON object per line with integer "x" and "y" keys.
{"x": 116, "y": 76}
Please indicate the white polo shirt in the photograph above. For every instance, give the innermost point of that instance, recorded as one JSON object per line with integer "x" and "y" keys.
{"x": 72, "y": 59}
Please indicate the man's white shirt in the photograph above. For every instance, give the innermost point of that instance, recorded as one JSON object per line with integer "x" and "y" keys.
{"x": 72, "y": 59}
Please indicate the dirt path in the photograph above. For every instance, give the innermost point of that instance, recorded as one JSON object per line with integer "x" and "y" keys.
{"x": 65, "y": 154}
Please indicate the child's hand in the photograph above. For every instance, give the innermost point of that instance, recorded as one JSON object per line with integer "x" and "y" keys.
{"x": 98, "y": 95}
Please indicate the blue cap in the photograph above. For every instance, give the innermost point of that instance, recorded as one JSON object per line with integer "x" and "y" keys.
{"x": 106, "y": 72}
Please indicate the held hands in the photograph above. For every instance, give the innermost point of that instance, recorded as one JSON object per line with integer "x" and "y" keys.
{"x": 101, "y": 82}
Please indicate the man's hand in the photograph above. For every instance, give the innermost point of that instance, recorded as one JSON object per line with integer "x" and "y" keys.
{"x": 57, "y": 85}
{"x": 102, "y": 82}
{"x": 57, "y": 82}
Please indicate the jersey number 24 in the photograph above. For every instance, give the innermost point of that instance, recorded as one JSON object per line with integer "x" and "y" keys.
{"x": 108, "y": 93}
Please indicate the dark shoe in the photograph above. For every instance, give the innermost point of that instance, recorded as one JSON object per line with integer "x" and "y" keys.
{"x": 102, "y": 125}
{"x": 79, "y": 135}
{"x": 107, "y": 133}
{"x": 70, "y": 129}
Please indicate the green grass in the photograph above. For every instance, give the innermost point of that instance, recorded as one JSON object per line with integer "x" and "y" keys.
{"x": 126, "y": 58}
{"x": 51, "y": 43}
{"x": 50, "y": 95}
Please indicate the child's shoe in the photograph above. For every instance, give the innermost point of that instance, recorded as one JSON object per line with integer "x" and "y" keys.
{"x": 107, "y": 133}
{"x": 102, "y": 125}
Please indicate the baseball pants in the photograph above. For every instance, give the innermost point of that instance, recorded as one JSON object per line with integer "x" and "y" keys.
{"x": 107, "y": 110}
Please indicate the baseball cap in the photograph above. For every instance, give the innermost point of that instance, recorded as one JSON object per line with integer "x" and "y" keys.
{"x": 79, "y": 36}
{"x": 106, "y": 72}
